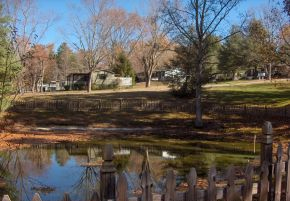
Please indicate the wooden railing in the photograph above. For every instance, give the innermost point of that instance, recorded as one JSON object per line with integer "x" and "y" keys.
{"x": 265, "y": 187}
{"x": 140, "y": 104}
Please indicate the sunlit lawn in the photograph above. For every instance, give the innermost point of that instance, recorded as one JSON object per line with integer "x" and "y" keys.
{"x": 270, "y": 94}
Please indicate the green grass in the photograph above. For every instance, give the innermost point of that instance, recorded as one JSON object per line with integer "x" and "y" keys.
{"x": 269, "y": 94}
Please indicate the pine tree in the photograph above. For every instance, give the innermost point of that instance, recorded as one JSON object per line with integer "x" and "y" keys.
{"x": 123, "y": 67}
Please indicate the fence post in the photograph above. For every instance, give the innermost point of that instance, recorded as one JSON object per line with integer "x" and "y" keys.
{"x": 230, "y": 193}
{"x": 146, "y": 180}
{"x": 248, "y": 187}
{"x": 288, "y": 175}
{"x": 278, "y": 173}
{"x": 108, "y": 178}
{"x": 121, "y": 100}
{"x": 191, "y": 195}
{"x": 170, "y": 194}
{"x": 122, "y": 188}
{"x": 264, "y": 182}
{"x": 211, "y": 189}
{"x": 266, "y": 153}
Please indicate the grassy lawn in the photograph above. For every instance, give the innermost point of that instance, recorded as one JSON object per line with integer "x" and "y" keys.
{"x": 270, "y": 94}
{"x": 234, "y": 92}
{"x": 180, "y": 124}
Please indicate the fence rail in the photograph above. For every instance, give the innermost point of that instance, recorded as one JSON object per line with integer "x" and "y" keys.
{"x": 272, "y": 184}
{"x": 140, "y": 104}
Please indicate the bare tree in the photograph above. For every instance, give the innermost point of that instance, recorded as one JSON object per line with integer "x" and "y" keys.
{"x": 154, "y": 45}
{"x": 126, "y": 30}
{"x": 198, "y": 21}
{"x": 29, "y": 27}
{"x": 93, "y": 35}
{"x": 274, "y": 21}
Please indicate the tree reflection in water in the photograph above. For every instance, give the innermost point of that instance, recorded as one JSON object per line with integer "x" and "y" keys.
{"x": 20, "y": 165}
{"x": 89, "y": 178}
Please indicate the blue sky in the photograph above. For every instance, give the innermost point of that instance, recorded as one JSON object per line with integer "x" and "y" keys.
{"x": 61, "y": 9}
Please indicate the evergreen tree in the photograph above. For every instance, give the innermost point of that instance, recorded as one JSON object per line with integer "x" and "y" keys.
{"x": 233, "y": 54}
{"x": 123, "y": 67}
{"x": 66, "y": 61}
{"x": 9, "y": 64}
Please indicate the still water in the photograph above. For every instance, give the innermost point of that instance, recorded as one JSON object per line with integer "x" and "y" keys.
{"x": 52, "y": 170}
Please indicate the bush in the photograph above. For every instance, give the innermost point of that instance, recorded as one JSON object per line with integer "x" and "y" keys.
{"x": 114, "y": 85}
{"x": 79, "y": 86}
{"x": 66, "y": 87}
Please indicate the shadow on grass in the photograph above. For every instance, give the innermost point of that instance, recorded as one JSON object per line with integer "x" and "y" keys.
{"x": 154, "y": 95}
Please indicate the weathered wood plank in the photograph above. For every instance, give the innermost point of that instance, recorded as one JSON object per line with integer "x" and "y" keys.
{"x": 122, "y": 188}
{"x": 170, "y": 194}
{"x": 191, "y": 194}
{"x": 288, "y": 175}
{"x": 267, "y": 153}
{"x": 230, "y": 190}
{"x": 211, "y": 190}
{"x": 247, "y": 191}
{"x": 278, "y": 173}
{"x": 264, "y": 182}
{"x": 36, "y": 197}
{"x": 6, "y": 198}
{"x": 146, "y": 180}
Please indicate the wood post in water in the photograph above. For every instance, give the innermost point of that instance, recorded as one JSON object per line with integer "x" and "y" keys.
{"x": 108, "y": 178}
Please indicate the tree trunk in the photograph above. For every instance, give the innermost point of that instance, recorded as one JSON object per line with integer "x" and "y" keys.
{"x": 33, "y": 84}
{"x": 270, "y": 72}
{"x": 90, "y": 82}
{"x": 198, "y": 107}
{"x": 148, "y": 80}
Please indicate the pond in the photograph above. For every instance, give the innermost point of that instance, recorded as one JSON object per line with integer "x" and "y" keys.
{"x": 54, "y": 169}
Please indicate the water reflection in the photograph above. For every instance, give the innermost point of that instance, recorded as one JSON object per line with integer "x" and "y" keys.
{"x": 52, "y": 170}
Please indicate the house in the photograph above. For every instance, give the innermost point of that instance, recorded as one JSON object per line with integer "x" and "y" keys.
{"x": 157, "y": 75}
{"x": 100, "y": 79}
{"x": 52, "y": 86}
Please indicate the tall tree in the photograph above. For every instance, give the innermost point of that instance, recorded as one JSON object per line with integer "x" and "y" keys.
{"x": 154, "y": 45}
{"x": 9, "y": 63}
{"x": 126, "y": 30}
{"x": 66, "y": 62}
{"x": 93, "y": 35}
{"x": 233, "y": 55}
{"x": 198, "y": 21}
{"x": 29, "y": 25}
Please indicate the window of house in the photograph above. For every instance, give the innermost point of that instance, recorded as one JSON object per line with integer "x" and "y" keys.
{"x": 102, "y": 76}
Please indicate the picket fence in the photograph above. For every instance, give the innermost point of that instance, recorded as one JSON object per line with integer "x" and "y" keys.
{"x": 272, "y": 184}
{"x": 141, "y": 104}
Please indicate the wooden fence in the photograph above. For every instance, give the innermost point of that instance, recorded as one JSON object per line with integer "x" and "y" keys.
{"x": 272, "y": 184}
{"x": 141, "y": 104}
